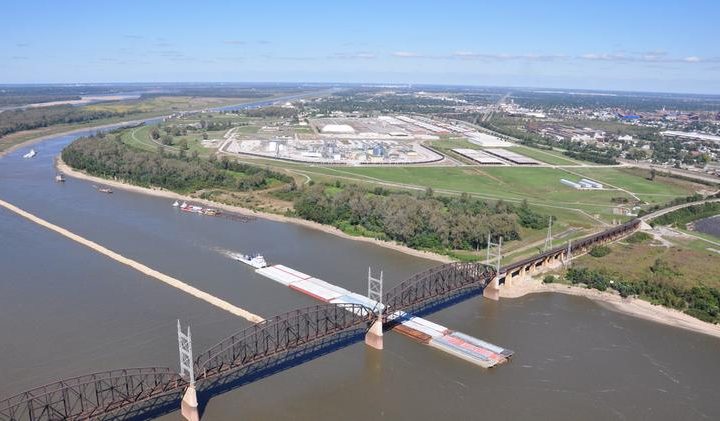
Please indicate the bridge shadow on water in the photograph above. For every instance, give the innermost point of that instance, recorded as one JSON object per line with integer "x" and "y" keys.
{"x": 209, "y": 388}
{"x": 149, "y": 409}
{"x": 429, "y": 307}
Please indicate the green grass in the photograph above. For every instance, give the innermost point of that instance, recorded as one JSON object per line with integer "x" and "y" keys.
{"x": 660, "y": 190}
{"x": 513, "y": 183}
{"x": 549, "y": 157}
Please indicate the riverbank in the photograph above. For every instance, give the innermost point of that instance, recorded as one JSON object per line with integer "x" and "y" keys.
{"x": 631, "y": 306}
{"x": 71, "y": 172}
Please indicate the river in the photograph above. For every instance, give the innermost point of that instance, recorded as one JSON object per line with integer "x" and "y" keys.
{"x": 66, "y": 310}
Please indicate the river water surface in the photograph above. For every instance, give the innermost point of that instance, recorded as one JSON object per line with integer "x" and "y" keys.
{"x": 66, "y": 310}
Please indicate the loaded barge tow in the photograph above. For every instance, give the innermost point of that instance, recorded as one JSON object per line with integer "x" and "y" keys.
{"x": 461, "y": 345}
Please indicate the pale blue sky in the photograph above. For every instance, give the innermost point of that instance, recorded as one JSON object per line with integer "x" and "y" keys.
{"x": 629, "y": 45}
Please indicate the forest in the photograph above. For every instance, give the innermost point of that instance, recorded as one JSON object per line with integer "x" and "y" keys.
{"x": 107, "y": 156}
{"x": 12, "y": 121}
{"x": 425, "y": 221}
{"x": 701, "y": 302}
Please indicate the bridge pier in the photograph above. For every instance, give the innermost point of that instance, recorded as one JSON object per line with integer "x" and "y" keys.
{"x": 189, "y": 405}
{"x": 374, "y": 337}
{"x": 492, "y": 290}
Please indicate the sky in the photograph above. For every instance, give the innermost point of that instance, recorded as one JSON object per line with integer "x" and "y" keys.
{"x": 665, "y": 46}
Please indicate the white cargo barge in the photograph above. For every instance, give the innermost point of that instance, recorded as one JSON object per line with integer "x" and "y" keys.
{"x": 463, "y": 346}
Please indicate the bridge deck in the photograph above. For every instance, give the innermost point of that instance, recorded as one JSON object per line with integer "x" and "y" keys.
{"x": 424, "y": 331}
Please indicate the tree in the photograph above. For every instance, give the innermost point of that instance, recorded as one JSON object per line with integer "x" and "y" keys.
{"x": 166, "y": 139}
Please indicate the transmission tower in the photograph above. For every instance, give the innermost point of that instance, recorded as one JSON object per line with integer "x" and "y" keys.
{"x": 186, "y": 359}
{"x": 548, "y": 238}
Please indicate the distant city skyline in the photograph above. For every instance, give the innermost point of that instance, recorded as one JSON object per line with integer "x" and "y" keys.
{"x": 658, "y": 46}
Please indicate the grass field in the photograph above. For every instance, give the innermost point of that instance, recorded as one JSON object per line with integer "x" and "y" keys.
{"x": 660, "y": 190}
{"x": 511, "y": 183}
{"x": 549, "y": 157}
{"x": 139, "y": 137}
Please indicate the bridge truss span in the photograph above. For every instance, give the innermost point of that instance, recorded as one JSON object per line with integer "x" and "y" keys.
{"x": 94, "y": 396}
{"x": 289, "y": 332}
{"x": 436, "y": 286}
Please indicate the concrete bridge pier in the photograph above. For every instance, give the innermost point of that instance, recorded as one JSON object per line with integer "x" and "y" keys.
{"x": 374, "y": 337}
{"x": 492, "y": 290}
{"x": 189, "y": 405}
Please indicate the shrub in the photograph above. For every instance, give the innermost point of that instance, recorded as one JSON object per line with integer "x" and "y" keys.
{"x": 639, "y": 237}
{"x": 600, "y": 251}
{"x": 549, "y": 279}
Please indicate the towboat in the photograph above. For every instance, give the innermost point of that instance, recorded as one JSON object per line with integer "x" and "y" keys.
{"x": 30, "y": 154}
{"x": 255, "y": 260}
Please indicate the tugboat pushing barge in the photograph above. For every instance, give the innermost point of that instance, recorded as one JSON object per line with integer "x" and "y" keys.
{"x": 255, "y": 260}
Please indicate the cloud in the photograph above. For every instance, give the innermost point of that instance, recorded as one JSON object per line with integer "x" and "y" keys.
{"x": 647, "y": 57}
{"x": 131, "y": 36}
{"x": 469, "y": 55}
{"x": 19, "y": 58}
{"x": 234, "y": 42}
{"x": 353, "y": 56}
{"x": 407, "y": 54}
{"x": 22, "y": 44}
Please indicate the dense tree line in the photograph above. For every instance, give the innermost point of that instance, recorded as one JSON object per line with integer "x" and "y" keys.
{"x": 108, "y": 156}
{"x": 426, "y": 221}
{"x": 8, "y": 100}
{"x": 32, "y": 118}
{"x": 372, "y": 104}
{"x": 701, "y": 302}
{"x": 272, "y": 111}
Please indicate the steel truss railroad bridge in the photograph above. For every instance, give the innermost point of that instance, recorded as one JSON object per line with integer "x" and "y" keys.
{"x": 262, "y": 349}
